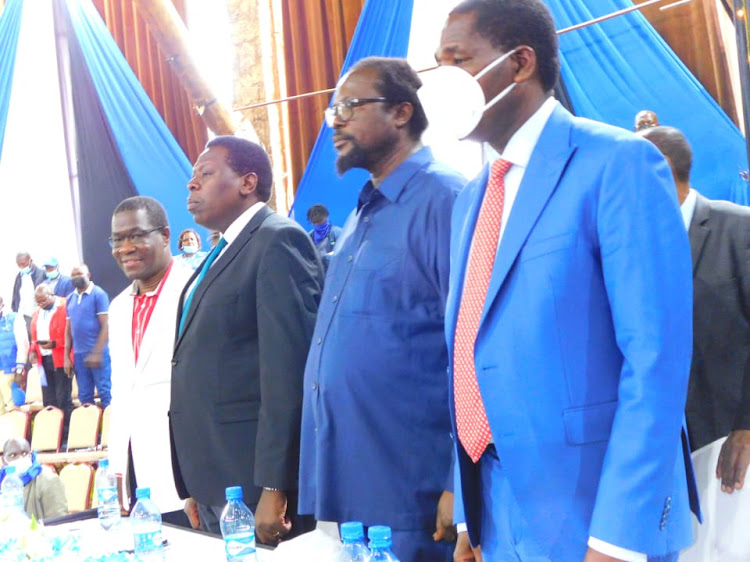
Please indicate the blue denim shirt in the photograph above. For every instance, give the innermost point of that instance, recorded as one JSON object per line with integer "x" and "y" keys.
{"x": 376, "y": 441}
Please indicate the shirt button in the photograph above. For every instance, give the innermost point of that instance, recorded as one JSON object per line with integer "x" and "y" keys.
{"x": 319, "y": 341}
{"x": 315, "y": 386}
{"x": 366, "y": 219}
{"x": 350, "y": 258}
{"x": 335, "y": 298}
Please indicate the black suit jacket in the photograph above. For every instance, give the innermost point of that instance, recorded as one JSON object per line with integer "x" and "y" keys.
{"x": 37, "y": 276}
{"x": 719, "y": 391}
{"x": 238, "y": 365}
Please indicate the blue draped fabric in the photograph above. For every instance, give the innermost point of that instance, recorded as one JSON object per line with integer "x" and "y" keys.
{"x": 614, "y": 69}
{"x": 10, "y": 26}
{"x": 383, "y": 30}
{"x": 155, "y": 162}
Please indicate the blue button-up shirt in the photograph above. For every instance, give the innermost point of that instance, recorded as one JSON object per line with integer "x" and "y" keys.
{"x": 376, "y": 441}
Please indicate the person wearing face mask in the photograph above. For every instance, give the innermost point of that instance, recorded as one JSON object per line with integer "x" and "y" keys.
{"x": 190, "y": 244}
{"x": 14, "y": 347}
{"x": 43, "y": 491}
{"x": 324, "y": 235}
{"x": 568, "y": 320}
{"x": 87, "y": 333}
{"x": 29, "y": 276}
{"x": 48, "y": 350}
{"x": 61, "y": 284}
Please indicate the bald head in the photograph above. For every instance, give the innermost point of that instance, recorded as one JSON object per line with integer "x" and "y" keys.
{"x": 646, "y": 119}
{"x": 44, "y": 296}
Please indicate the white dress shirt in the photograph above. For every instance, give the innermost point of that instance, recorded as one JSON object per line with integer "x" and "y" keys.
{"x": 42, "y": 326}
{"x": 26, "y": 299}
{"x": 688, "y": 208}
{"x": 518, "y": 152}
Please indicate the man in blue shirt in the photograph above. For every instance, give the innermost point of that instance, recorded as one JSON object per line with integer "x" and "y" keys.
{"x": 87, "y": 332}
{"x": 376, "y": 441}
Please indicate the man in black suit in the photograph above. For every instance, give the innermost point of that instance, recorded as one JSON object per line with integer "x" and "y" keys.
{"x": 245, "y": 322}
{"x": 28, "y": 278}
{"x": 718, "y": 403}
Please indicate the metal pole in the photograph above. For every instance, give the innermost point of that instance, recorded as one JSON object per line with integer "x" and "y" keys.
{"x": 739, "y": 15}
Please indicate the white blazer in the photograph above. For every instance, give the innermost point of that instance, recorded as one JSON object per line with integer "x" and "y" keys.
{"x": 141, "y": 391}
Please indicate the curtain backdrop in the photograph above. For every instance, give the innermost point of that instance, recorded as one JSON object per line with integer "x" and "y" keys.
{"x": 317, "y": 34}
{"x": 154, "y": 72}
{"x": 614, "y": 69}
{"x": 383, "y": 30}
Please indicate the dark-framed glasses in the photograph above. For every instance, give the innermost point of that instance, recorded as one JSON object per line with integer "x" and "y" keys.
{"x": 136, "y": 237}
{"x": 344, "y": 110}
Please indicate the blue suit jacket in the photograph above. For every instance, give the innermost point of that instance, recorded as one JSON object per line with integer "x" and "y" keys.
{"x": 583, "y": 350}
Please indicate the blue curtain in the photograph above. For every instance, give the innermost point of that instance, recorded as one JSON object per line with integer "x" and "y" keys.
{"x": 155, "y": 162}
{"x": 10, "y": 26}
{"x": 614, "y": 69}
{"x": 383, "y": 30}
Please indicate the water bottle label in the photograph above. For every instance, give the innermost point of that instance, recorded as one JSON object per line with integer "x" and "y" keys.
{"x": 238, "y": 546}
{"x": 106, "y": 495}
{"x": 147, "y": 541}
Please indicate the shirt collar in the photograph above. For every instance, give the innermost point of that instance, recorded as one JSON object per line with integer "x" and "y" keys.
{"x": 688, "y": 208}
{"x": 393, "y": 185}
{"x": 88, "y": 290}
{"x": 134, "y": 292}
{"x": 521, "y": 145}
{"x": 234, "y": 229}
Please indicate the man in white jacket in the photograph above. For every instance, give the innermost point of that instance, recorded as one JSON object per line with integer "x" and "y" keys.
{"x": 141, "y": 334}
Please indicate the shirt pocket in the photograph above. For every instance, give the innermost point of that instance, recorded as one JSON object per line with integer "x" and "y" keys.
{"x": 374, "y": 288}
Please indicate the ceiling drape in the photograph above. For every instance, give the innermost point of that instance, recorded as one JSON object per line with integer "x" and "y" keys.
{"x": 317, "y": 34}
{"x": 153, "y": 71}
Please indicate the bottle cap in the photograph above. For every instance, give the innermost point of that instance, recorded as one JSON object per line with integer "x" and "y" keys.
{"x": 104, "y": 463}
{"x": 141, "y": 493}
{"x": 379, "y": 535}
{"x": 9, "y": 469}
{"x": 352, "y": 531}
{"x": 234, "y": 493}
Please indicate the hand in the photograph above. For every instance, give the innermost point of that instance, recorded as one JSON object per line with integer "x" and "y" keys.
{"x": 191, "y": 510}
{"x": 32, "y": 357}
{"x": 464, "y": 552}
{"x": 68, "y": 367}
{"x": 271, "y": 522}
{"x": 19, "y": 377}
{"x": 47, "y": 345}
{"x": 596, "y": 556}
{"x": 733, "y": 460}
{"x": 445, "y": 530}
{"x": 94, "y": 359}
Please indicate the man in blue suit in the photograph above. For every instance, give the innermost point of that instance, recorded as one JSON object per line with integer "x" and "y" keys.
{"x": 568, "y": 318}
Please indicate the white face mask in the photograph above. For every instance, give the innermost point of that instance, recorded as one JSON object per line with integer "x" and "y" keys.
{"x": 189, "y": 249}
{"x": 22, "y": 465}
{"x": 453, "y": 99}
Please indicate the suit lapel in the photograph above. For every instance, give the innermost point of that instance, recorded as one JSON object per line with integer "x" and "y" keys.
{"x": 547, "y": 163}
{"x": 219, "y": 265}
{"x": 699, "y": 229}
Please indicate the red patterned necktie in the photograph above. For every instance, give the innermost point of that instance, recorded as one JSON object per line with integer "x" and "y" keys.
{"x": 471, "y": 417}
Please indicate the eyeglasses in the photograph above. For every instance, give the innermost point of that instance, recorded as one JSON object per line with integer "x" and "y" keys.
{"x": 344, "y": 110}
{"x": 136, "y": 237}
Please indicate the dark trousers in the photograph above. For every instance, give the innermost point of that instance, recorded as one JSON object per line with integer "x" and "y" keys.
{"x": 57, "y": 392}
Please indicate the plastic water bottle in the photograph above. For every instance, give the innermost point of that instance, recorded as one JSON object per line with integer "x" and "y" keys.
{"x": 146, "y": 521}
{"x": 238, "y": 528}
{"x": 354, "y": 549}
{"x": 12, "y": 492}
{"x": 380, "y": 544}
{"x": 108, "y": 509}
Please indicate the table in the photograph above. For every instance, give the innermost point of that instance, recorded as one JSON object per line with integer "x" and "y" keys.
{"x": 182, "y": 544}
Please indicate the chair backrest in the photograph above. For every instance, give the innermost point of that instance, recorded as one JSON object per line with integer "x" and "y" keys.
{"x": 33, "y": 386}
{"x": 83, "y": 432}
{"x": 47, "y": 432}
{"x": 77, "y": 479}
{"x": 14, "y": 424}
{"x": 104, "y": 441}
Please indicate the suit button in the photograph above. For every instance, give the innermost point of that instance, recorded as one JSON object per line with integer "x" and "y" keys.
{"x": 174, "y": 362}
